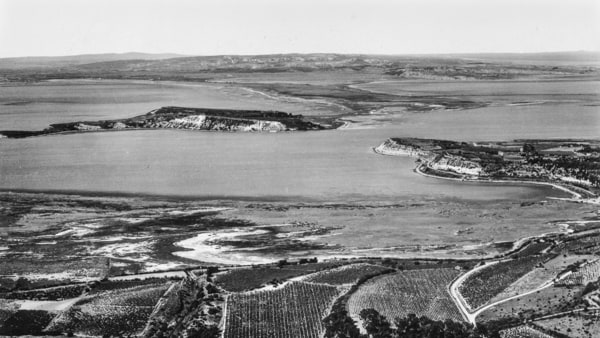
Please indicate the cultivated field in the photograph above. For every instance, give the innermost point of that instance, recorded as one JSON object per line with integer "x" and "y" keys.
{"x": 485, "y": 284}
{"x": 544, "y": 302}
{"x": 422, "y": 292}
{"x": 585, "y": 245}
{"x": 294, "y": 310}
{"x": 116, "y": 312}
{"x": 53, "y": 293}
{"x": 245, "y": 279}
{"x": 348, "y": 274}
{"x": 540, "y": 275}
{"x": 523, "y": 331}
{"x": 586, "y": 274}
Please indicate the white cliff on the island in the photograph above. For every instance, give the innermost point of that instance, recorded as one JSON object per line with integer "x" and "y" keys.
{"x": 391, "y": 147}
{"x": 203, "y": 122}
{"x": 456, "y": 164}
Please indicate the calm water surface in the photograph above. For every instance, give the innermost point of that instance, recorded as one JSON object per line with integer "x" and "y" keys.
{"x": 328, "y": 165}
{"x": 35, "y": 106}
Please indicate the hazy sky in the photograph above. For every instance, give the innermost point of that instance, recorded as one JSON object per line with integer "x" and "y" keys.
{"x": 64, "y": 27}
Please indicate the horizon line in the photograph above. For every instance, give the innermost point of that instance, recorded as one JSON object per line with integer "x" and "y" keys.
{"x": 305, "y": 53}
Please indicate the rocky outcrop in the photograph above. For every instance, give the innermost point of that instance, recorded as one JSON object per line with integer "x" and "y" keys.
{"x": 431, "y": 151}
{"x": 203, "y": 122}
{"x": 391, "y": 147}
{"x": 83, "y": 126}
{"x": 456, "y": 164}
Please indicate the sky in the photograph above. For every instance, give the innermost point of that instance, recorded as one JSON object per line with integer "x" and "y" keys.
{"x": 198, "y": 27}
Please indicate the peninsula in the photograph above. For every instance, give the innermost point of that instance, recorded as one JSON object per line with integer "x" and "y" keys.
{"x": 571, "y": 165}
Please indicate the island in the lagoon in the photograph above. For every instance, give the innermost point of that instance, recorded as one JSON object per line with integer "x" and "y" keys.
{"x": 188, "y": 118}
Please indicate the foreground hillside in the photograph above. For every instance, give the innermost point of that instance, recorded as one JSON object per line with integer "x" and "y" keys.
{"x": 532, "y": 292}
{"x": 151, "y": 267}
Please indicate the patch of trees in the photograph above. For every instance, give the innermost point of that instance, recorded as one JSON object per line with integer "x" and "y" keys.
{"x": 58, "y": 293}
{"x": 203, "y": 331}
{"x": 26, "y": 322}
{"x": 23, "y": 284}
{"x": 190, "y": 309}
{"x": 338, "y": 324}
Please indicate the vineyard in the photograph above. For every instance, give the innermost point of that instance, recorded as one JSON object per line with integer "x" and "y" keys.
{"x": 539, "y": 275}
{"x": 585, "y": 245}
{"x": 294, "y": 310}
{"x": 488, "y": 282}
{"x": 523, "y": 331}
{"x": 348, "y": 274}
{"x": 118, "y": 312}
{"x": 108, "y": 285}
{"x": 587, "y": 273}
{"x": 422, "y": 292}
{"x": 544, "y": 302}
{"x": 54, "y": 293}
{"x": 238, "y": 280}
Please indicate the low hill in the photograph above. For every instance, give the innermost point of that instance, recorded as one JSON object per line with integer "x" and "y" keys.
{"x": 73, "y": 60}
{"x": 201, "y": 68}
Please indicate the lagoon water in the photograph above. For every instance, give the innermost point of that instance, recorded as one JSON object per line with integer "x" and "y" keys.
{"x": 35, "y": 106}
{"x": 327, "y": 165}
{"x": 330, "y": 165}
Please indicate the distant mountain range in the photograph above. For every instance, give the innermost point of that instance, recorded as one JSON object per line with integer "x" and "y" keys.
{"x": 200, "y": 68}
{"x": 278, "y": 59}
